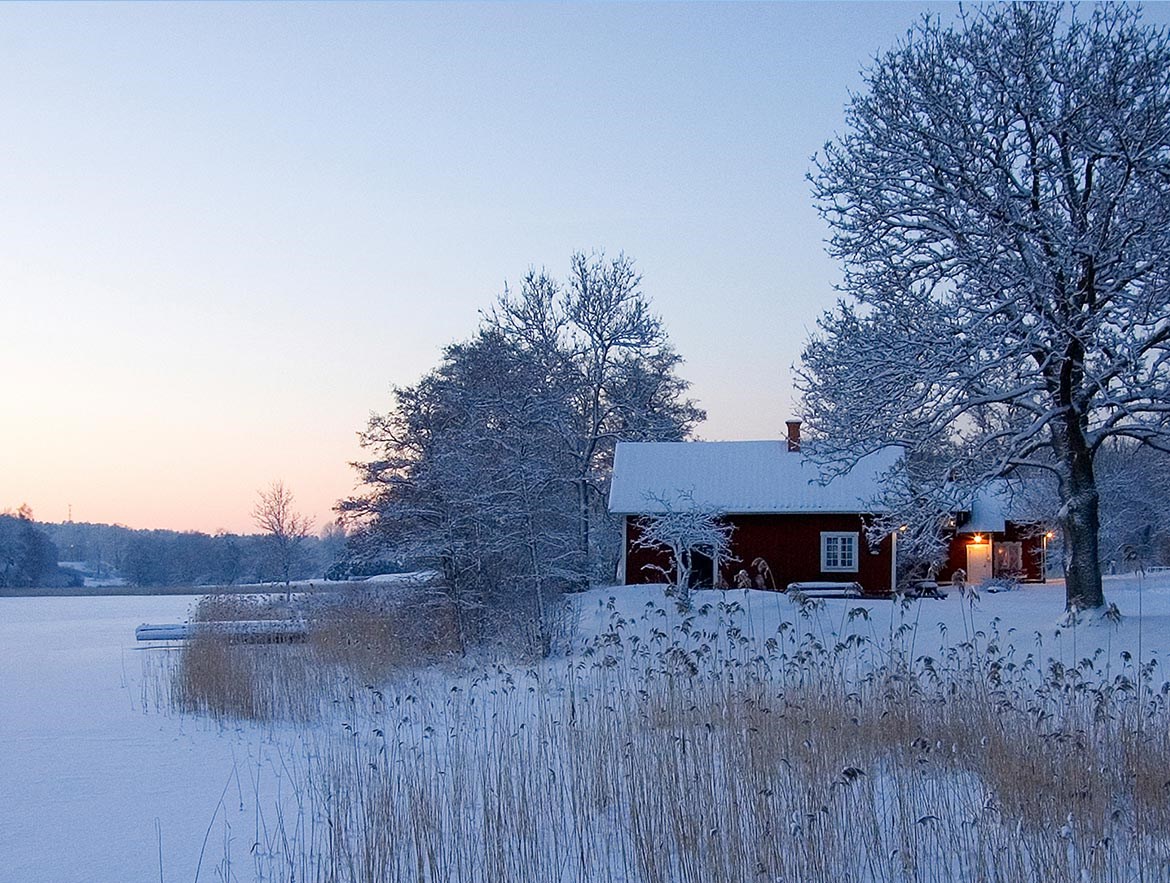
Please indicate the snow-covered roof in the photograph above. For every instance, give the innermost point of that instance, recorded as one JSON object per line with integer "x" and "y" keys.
{"x": 739, "y": 477}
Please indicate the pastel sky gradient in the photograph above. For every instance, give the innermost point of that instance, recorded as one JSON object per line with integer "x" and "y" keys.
{"x": 227, "y": 230}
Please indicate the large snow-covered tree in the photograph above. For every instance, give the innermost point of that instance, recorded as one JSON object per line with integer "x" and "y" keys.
{"x": 1000, "y": 201}
{"x": 467, "y": 478}
{"x": 493, "y": 468}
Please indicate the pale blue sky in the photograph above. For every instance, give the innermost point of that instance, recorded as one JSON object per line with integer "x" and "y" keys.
{"x": 227, "y": 230}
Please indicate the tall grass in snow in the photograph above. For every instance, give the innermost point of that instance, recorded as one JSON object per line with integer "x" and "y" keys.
{"x": 352, "y": 642}
{"x": 689, "y": 747}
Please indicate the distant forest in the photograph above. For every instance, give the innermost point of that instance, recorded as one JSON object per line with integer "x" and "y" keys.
{"x": 27, "y": 555}
{"x": 75, "y": 553}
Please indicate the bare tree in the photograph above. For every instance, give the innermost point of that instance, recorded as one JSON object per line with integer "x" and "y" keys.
{"x": 1001, "y": 204}
{"x": 1135, "y": 503}
{"x": 286, "y": 528}
{"x": 682, "y": 529}
{"x": 609, "y": 356}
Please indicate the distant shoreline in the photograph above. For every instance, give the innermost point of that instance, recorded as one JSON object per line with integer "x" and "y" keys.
{"x": 139, "y": 591}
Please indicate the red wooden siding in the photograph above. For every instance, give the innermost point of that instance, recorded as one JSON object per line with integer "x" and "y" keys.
{"x": 791, "y": 544}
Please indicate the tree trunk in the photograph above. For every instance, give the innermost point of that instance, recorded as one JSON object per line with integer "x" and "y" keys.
{"x": 583, "y": 515}
{"x": 1080, "y": 521}
{"x": 544, "y": 636}
{"x": 451, "y": 577}
{"x": 682, "y": 576}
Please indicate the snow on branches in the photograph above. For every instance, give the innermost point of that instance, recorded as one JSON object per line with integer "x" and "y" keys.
{"x": 1000, "y": 203}
{"x": 494, "y": 467}
{"x": 683, "y": 530}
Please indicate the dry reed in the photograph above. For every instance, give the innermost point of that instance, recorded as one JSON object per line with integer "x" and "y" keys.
{"x": 681, "y": 748}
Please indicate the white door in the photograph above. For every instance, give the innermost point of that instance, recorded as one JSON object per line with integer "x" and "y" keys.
{"x": 978, "y": 562}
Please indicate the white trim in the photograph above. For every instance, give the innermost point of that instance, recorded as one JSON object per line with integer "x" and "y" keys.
{"x": 852, "y": 536}
{"x": 894, "y": 561}
{"x": 621, "y": 574}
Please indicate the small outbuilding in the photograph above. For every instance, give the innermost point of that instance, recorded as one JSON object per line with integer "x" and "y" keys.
{"x": 996, "y": 538}
{"x": 790, "y": 525}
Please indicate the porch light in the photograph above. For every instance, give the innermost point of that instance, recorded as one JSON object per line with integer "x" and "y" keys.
{"x": 978, "y": 539}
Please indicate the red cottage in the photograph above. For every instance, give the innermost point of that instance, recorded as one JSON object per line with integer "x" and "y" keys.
{"x": 789, "y": 527}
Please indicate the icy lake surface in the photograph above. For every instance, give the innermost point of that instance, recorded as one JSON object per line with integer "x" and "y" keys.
{"x": 88, "y": 779}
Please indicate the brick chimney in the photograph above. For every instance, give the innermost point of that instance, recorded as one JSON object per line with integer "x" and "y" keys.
{"x": 793, "y": 435}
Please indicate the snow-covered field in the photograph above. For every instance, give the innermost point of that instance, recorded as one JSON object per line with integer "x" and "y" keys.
{"x": 1026, "y": 611}
{"x": 96, "y": 782}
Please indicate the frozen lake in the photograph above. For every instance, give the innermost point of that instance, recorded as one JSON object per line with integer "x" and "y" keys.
{"x": 89, "y": 779}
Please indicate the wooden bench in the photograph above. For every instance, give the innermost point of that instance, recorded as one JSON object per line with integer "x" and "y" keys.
{"x": 827, "y": 589}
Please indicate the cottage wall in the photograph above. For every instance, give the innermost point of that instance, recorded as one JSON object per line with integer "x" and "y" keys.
{"x": 791, "y": 546}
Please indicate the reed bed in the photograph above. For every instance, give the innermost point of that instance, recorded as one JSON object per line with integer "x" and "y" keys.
{"x": 686, "y": 747}
{"x": 353, "y": 640}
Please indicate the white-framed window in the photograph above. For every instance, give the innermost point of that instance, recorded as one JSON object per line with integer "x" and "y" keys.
{"x": 839, "y": 552}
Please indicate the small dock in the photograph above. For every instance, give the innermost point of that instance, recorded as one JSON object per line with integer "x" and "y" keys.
{"x": 254, "y": 631}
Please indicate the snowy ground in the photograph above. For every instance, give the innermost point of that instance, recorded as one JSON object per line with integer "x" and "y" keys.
{"x": 1031, "y": 613}
{"x": 90, "y": 780}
